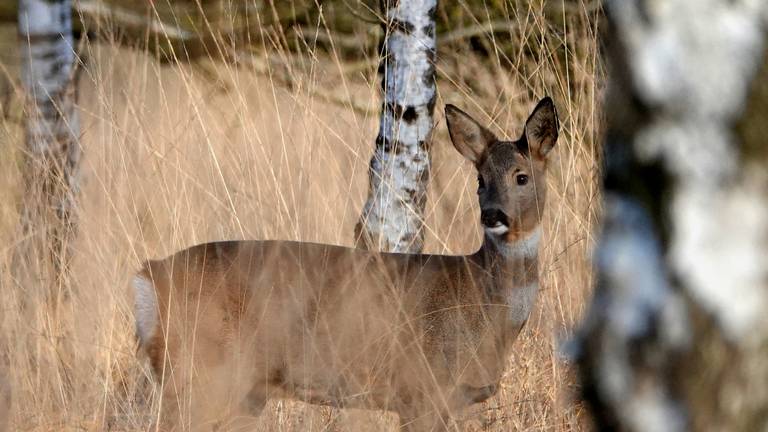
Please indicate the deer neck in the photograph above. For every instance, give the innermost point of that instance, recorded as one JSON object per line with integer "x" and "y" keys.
{"x": 512, "y": 264}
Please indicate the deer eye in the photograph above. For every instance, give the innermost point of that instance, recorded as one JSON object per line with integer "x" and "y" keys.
{"x": 521, "y": 179}
{"x": 480, "y": 184}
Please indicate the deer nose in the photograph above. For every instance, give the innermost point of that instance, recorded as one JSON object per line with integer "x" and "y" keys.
{"x": 492, "y": 217}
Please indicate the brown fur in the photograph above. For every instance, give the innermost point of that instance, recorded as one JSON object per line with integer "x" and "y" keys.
{"x": 5, "y": 398}
{"x": 423, "y": 335}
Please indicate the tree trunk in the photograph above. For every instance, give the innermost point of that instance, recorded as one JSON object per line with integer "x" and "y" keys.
{"x": 393, "y": 215}
{"x": 677, "y": 334}
{"x": 52, "y": 127}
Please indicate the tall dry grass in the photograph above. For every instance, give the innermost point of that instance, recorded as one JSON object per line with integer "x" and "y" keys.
{"x": 178, "y": 154}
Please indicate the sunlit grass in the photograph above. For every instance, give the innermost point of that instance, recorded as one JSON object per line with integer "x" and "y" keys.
{"x": 178, "y": 154}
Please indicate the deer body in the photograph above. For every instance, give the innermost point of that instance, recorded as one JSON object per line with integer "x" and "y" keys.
{"x": 231, "y": 324}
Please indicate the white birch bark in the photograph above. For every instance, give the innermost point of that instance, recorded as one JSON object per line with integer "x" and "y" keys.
{"x": 677, "y": 334}
{"x": 393, "y": 215}
{"x": 52, "y": 124}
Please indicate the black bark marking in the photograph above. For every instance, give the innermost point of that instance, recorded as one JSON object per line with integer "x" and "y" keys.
{"x": 381, "y": 143}
{"x": 407, "y": 238}
{"x": 52, "y": 53}
{"x": 424, "y": 177}
{"x": 395, "y": 108}
{"x": 429, "y": 75}
{"x": 431, "y": 13}
{"x": 648, "y": 182}
{"x": 429, "y": 29}
{"x": 411, "y": 194}
{"x": 431, "y": 54}
{"x": 431, "y": 104}
{"x": 410, "y": 114}
{"x": 402, "y": 26}
{"x": 387, "y": 146}
{"x": 56, "y": 68}
{"x": 425, "y": 144}
{"x": 422, "y": 201}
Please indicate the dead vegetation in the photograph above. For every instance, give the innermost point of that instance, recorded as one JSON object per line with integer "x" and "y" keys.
{"x": 277, "y": 147}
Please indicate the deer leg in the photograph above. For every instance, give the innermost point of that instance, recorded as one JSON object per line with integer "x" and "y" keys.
{"x": 246, "y": 417}
{"x": 255, "y": 400}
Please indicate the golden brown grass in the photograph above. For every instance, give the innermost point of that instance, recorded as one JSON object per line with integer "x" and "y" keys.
{"x": 181, "y": 154}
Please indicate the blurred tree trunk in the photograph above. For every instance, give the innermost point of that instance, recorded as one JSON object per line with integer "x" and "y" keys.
{"x": 677, "y": 334}
{"x": 52, "y": 129}
{"x": 393, "y": 215}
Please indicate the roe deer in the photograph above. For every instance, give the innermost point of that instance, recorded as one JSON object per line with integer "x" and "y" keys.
{"x": 228, "y": 325}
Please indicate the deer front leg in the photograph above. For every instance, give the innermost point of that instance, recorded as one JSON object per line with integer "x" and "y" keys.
{"x": 255, "y": 400}
{"x": 246, "y": 416}
{"x": 425, "y": 414}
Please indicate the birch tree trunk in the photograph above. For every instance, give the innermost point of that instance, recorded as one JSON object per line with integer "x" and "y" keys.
{"x": 677, "y": 334}
{"x": 393, "y": 215}
{"x": 52, "y": 126}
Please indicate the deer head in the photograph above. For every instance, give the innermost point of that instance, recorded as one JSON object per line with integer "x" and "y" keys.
{"x": 511, "y": 177}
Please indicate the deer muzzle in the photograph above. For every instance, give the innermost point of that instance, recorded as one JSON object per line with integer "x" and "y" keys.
{"x": 493, "y": 218}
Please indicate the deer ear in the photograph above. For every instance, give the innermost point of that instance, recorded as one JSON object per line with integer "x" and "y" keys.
{"x": 541, "y": 128}
{"x": 469, "y": 138}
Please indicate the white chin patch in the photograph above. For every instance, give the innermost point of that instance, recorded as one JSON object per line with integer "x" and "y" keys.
{"x": 497, "y": 229}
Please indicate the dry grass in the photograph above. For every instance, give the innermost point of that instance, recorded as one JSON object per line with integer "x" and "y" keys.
{"x": 182, "y": 154}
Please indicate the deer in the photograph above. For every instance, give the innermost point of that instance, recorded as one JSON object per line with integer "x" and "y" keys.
{"x": 5, "y": 398}
{"x": 228, "y": 325}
